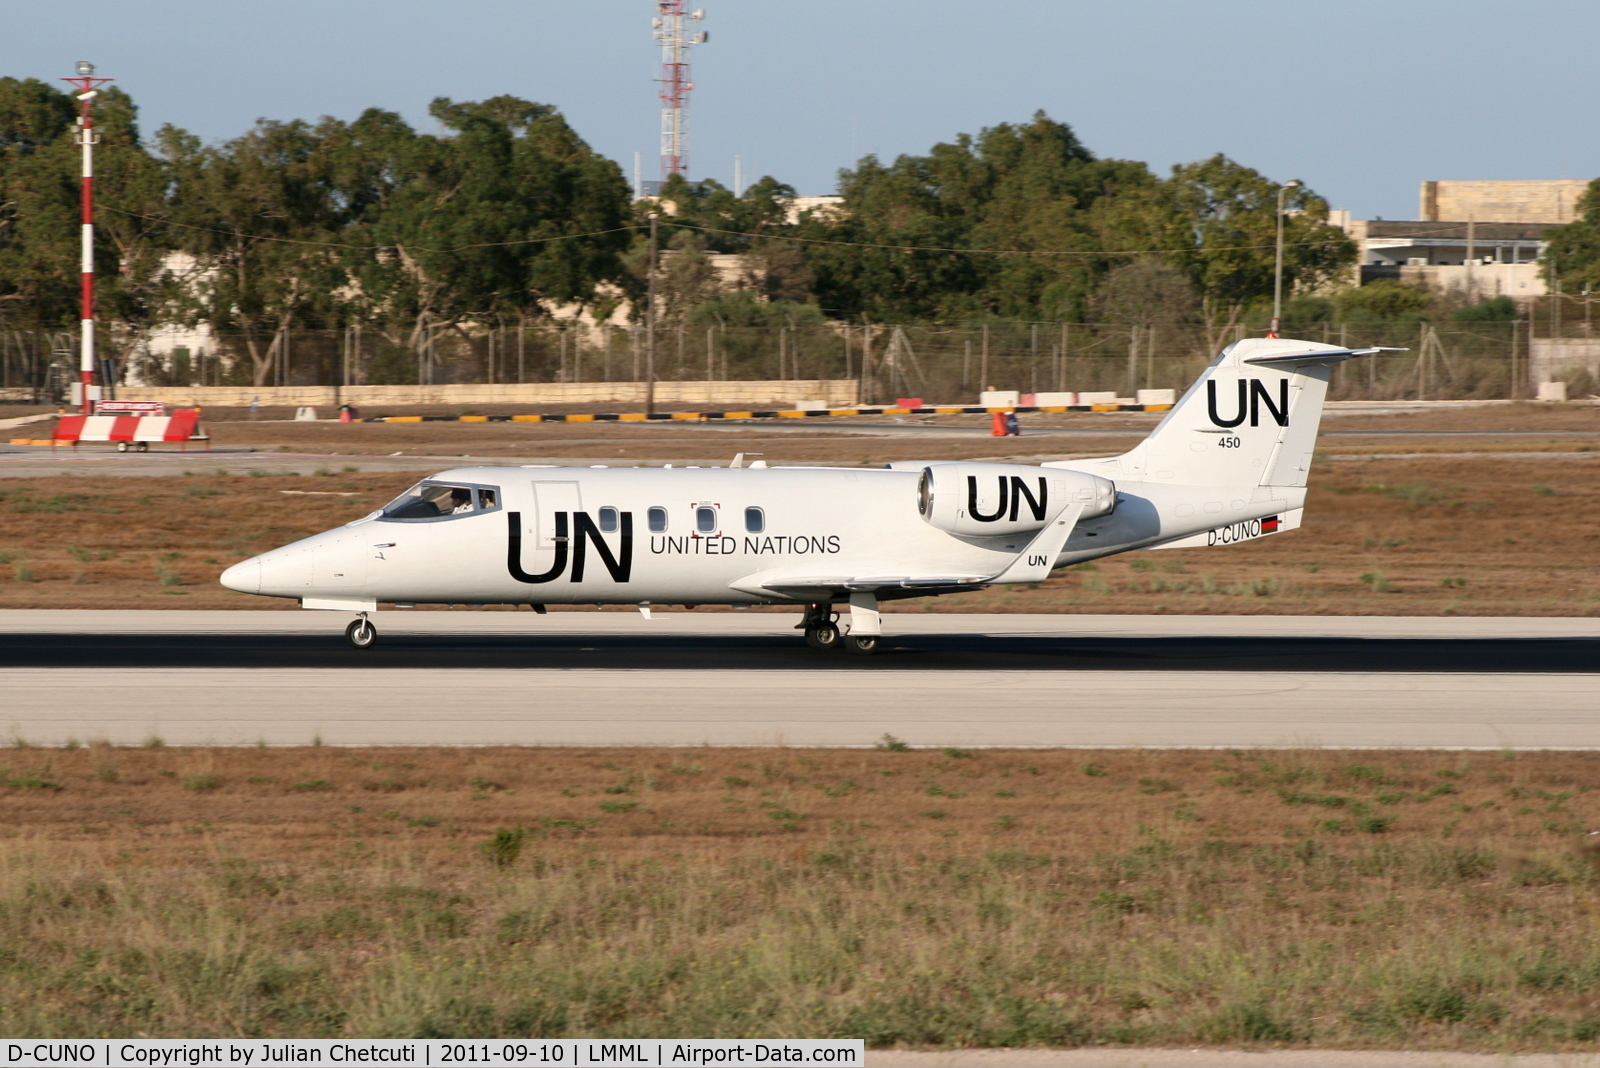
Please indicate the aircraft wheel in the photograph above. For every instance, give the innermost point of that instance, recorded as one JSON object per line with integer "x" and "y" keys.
{"x": 362, "y": 634}
{"x": 122, "y": 446}
{"x": 863, "y": 645}
{"x": 144, "y": 446}
{"x": 823, "y": 636}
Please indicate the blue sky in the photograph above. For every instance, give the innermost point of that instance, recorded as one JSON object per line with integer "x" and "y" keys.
{"x": 1361, "y": 99}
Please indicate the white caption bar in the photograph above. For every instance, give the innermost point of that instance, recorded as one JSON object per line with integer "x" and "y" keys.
{"x": 403, "y": 1053}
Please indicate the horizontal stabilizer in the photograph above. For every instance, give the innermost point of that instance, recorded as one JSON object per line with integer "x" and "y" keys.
{"x": 1323, "y": 356}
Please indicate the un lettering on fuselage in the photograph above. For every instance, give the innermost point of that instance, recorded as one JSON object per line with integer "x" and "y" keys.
{"x": 577, "y": 536}
{"x": 728, "y": 545}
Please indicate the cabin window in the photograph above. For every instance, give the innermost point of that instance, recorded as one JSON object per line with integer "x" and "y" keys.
{"x": 608, "y": 520}
{"x": 705, "y": 519}
{"x": 658, "y": 520}
{"x": 754, "y": 520}
{"x": 441, "y": 500}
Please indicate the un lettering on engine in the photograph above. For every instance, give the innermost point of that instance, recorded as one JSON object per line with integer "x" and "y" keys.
{"x": 993, "y": 500}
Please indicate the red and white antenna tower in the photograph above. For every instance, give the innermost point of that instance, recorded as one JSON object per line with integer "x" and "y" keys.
{"x": 676, "y": 40}
{"x": 88, "y": 88}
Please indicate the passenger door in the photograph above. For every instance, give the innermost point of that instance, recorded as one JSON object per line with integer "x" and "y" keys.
{"x": 550, "y": 536}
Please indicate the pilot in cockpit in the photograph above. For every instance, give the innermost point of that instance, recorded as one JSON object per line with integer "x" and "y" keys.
{"x": 460, "y": 501}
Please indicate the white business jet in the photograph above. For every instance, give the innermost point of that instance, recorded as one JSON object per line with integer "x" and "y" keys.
{"x": 1227, "y": 464}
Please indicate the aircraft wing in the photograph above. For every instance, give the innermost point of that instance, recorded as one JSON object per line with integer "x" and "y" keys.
{"x": 802, "y": 586}
{"x": 1033, "y": 564}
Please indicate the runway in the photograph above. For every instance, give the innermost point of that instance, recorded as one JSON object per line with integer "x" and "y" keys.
{"x": 574, "y": 678}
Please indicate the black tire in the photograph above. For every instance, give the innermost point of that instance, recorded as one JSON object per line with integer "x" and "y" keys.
{"x": 361, "y": 634}
{"x": 122, "y": 446}
{"x": 862, "y": 645}
{"x": 823, "y": 636}
{"x": 144, "y": 446}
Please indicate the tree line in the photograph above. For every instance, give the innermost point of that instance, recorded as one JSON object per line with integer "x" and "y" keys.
{"x": 505, "y": 215}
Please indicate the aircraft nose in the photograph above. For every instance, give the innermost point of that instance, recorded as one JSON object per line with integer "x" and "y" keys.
{"x": 244, "y": 576}
{"x": 286, "y": 572}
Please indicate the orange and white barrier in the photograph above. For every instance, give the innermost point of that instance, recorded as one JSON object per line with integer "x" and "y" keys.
{"x": 182, "y": 425}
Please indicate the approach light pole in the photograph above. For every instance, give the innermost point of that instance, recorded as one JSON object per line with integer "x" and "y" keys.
{"x": 88, "y": 88}
{"x": 1277, "y": 263}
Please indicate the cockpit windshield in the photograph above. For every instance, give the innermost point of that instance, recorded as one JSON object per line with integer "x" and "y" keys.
{"x": 439, "y": 500}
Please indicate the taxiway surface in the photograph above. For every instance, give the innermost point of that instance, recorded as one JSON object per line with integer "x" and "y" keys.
{"x": 610, "y": 678}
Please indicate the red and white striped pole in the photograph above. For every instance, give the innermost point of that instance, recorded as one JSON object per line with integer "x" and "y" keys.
{"x": 88, "y": 86}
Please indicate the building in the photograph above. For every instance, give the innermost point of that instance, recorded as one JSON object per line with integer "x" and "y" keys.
{"x": 1553, "y": 201}
{"x": 1476, "y": 239}
{"x": 1480, "y": 260}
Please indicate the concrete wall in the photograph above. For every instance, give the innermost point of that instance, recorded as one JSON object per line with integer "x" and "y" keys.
{"x": 624, "y": 396}
{"x": 1548, "y": 201}
{"x": 1554, "y": 357}
{"x": 1519, "y": 281}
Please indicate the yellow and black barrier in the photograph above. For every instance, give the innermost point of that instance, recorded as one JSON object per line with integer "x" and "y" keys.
{"x": 809, "y": 413}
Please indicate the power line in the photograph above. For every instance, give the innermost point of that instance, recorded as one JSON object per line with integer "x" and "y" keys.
{"x": 991, "y": 251}
{"x": 715, "y": 230}
{"x": 371, "y": 248}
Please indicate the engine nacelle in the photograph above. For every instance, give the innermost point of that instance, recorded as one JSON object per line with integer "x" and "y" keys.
{"x": 989, "y": 500}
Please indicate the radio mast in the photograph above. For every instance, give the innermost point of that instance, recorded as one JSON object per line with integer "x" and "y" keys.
{"x": 672, "y": 31}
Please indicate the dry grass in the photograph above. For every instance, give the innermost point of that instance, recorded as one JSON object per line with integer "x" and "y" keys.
{"x": 1467, "y": 536}
{"x": 933, "y": 898}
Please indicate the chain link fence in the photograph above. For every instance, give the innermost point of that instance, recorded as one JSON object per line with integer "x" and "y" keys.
{"x": 934, "y": 361}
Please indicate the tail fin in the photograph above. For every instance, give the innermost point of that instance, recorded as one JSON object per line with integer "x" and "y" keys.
{"x": 1250, "y": 420}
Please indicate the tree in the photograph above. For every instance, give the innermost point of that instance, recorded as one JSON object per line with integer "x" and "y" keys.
{"x": 1147, "y": 292}
{"x": 1039, "y": 205}
{"x": 480, "y": 223}
{"x": 1231, "y": 213}
{"x": 1573, "y": 251}
{"x": 38, "y": 198}
{"x": 259, "y": 215}
{"x": 41, "y": 204}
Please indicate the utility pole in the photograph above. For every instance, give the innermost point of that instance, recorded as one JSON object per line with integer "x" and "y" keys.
{"x": 88, "y": 88}
{"x": 1277, "y": 263}
{"x": 1472, "y": 253}
{"x": 650, "y": 325}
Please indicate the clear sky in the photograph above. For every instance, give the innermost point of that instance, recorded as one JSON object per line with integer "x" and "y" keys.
{"x": 1361, "y": 99}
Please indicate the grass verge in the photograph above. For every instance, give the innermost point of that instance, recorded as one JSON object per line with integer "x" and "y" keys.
{"x": 944, "y": 898}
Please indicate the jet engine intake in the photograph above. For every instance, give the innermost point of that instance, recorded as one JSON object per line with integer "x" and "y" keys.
{"x": 988, "y": 500}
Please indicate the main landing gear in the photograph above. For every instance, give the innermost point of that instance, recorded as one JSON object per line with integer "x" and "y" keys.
{"x": 821, "y": 626}
{"x": 861, "y": 644}
{"x": 361, "y": 633}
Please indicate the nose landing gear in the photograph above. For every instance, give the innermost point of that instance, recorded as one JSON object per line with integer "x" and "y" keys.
{"x": 361, "y": 633}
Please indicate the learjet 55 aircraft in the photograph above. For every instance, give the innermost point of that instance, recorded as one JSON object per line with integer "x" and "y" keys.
{"x": 1227, "y": 464}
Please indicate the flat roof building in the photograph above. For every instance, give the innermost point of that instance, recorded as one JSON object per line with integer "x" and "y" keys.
{"x": 1481, "y": 238}
{"x": 1547, "y": 200}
